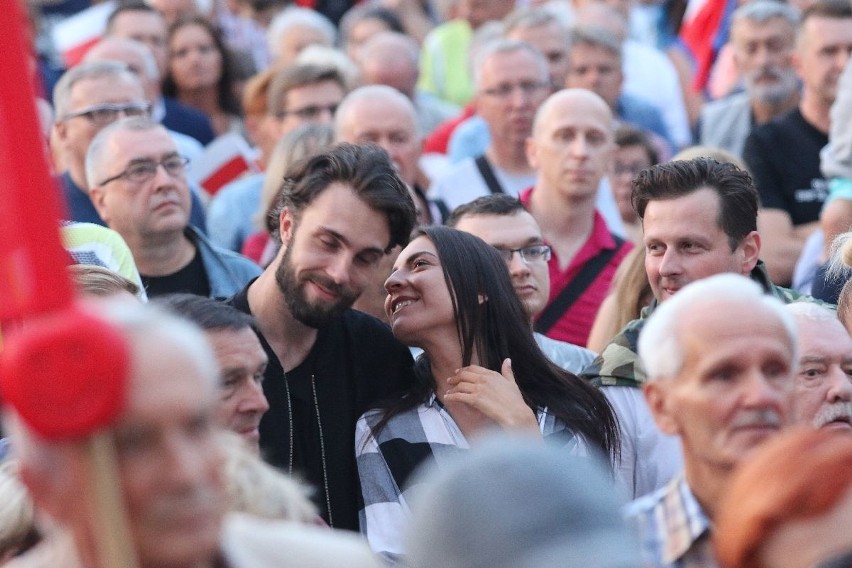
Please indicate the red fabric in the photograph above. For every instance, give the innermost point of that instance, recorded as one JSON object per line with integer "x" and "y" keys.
{"x": 65, "y": 371}
{"x": 33, "y": 277}
{"x": 574, "y": 326}
{"x": 699, "y": 35}
{"x": 76, "y": 54}
{"x": 254, "y": 245}
{"x": 437, "y": 142}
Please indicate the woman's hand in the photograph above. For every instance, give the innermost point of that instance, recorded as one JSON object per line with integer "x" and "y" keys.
{"x": 496, "y": 395}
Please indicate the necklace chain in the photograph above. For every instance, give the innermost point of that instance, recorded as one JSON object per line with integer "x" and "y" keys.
{"x": 321, "y": 438}
{"x": 322, "y": 452}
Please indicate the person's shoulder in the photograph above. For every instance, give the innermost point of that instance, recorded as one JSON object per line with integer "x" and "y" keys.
{"x": 724, "y": 105}
{"x": 250, "y": 542}
{"x": 234, "y": 260}
{"x": 464, "y": 168}
{"x": 618, "y": 362}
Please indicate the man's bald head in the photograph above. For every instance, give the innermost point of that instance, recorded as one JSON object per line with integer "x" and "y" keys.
{"x": 393, "y": 59}
{"x": 578, "y": 98}
{"x": 381, "y": 115}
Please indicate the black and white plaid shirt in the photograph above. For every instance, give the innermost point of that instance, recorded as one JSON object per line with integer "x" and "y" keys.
{"x": 422, "y": 435}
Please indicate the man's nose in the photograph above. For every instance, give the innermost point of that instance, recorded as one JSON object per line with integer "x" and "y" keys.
{"x": 839, "y": 385}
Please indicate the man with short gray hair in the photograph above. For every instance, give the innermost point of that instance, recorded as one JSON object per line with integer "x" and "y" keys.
{"x": 823, "y": 393}
{"x": 512, "y": 80}
{"x": 763, "y": 35}
{"x": 88, "y": 98}
{"x": 720, "y": 357}
{"x": 138, "y": 186}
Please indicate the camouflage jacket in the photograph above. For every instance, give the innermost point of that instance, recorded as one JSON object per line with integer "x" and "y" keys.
{"x": 618, "y": 363}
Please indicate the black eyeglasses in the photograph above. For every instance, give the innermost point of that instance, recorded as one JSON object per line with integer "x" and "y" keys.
{"x": 142, "y": 170}
{"x": 107, "y": 113}
{"x": 505, "y": 90}
{"x": 309, "y": 112}
{"x": 529, "y": 253}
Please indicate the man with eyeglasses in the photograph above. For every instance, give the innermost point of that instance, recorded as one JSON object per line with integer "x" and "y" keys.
{"x": 502, "y": 222}
{"x": 298, "y": 95}
{"x": 88, "y": 98}
{"x": 512, "y": 80}
{"x": 138, "y": 186}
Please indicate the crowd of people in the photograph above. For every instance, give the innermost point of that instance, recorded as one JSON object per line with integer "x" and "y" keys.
{"x": 503, "y": 283}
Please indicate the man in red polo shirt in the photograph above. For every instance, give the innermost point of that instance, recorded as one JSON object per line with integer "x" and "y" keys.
{"x": 571, "y": 149}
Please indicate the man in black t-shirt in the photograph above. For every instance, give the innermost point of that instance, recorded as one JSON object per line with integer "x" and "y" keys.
{"x": 340, "y": 213}
{"x": 783, "y": 155}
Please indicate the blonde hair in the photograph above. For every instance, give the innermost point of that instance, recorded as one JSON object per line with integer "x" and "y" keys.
{"x": 98, "y": 281}
{"x": 256, "y": 488}
{"x": 839, "y": 266}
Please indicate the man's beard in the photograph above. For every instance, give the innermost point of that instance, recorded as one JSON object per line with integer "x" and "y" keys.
{"x": 786, "y": 83}
{"x": 315, "y": 314}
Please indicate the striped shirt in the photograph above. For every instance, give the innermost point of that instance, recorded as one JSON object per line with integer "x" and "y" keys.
{"x": 426, "y": 434}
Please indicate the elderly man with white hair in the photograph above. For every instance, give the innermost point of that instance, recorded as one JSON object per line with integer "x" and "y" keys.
{"x": 823, "y": 394}
{"x": 720, "y": 356}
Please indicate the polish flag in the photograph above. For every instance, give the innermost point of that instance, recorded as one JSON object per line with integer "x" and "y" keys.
{"x": 74, "y": 36}
{"x": 225, "y": 159}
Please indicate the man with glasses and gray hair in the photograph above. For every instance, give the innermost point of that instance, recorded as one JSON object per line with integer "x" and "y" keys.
{"x": 138, "y": 185}
{"x": 512, "y": 79}
{"x": 87, "y": 98}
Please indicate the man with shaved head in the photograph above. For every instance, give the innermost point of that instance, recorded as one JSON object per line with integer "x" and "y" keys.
{"x": 571, "y": 149}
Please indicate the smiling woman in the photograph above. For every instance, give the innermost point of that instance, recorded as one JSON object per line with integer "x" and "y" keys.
{"x": 451, "y": 295}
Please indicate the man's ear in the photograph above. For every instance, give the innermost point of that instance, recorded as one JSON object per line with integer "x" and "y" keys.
{"x": 656, "y": 395}
{"x": 532, "y": 155}
{"x": 97, "y": 195}
{"x": 286, "y": 225}
{"x": 59, "y": 131}
{"x": 750, "y": 250}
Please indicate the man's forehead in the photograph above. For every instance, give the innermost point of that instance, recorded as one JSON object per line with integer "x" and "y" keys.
{"x": 749, "y": 30}
{"x": 502, "y": 229}
{"x": 823, "y": 336}
{"x": 702, "y": 205}
{"x": 711, "y": 333}
{"x": 107, "y": 89}
{"x": 132, "y": 145}
{"x": 513, "y": 65}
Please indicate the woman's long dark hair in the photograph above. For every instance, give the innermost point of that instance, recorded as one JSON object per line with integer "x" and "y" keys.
{"x": 499, "y": 328}
{"x": 225, "y": 95}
